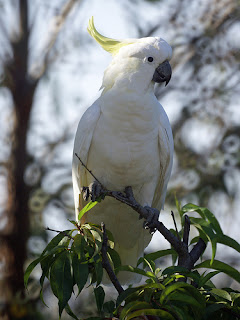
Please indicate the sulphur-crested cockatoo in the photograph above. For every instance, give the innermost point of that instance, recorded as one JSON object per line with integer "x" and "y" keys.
{"x": 126, "y": 140}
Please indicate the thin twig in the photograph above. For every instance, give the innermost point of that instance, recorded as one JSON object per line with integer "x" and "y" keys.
{"x": 175, "y": 225}
{"x": 63, "y": 232}
{"x": 91, "y": 173}
{"x": 106, "y": 264}
{"x": 186, "y": 230}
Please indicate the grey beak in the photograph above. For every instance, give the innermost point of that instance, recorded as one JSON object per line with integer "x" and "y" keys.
{"x": 163, "y": 73}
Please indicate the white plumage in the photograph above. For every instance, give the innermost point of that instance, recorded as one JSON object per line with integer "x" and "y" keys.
{"x": 126, "y": 140}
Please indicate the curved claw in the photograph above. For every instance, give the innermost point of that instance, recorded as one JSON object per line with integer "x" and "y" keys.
{"x": 93, "y": 191}
{"x": 150, "y": 223}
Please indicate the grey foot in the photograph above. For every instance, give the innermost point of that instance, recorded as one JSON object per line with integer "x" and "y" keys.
{"x": 153, "y": 215}
{"x": 94, "y": 192}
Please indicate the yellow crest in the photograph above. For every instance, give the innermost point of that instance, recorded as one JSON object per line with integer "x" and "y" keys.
{"x": 107, "y": 44}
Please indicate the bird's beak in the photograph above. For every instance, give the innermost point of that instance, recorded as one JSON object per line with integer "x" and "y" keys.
{"x": 163, "y": 73}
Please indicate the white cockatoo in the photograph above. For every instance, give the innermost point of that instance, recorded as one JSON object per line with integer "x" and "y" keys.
{"x": 125, "y": 139}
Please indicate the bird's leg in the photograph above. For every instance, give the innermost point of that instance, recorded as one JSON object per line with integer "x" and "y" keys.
{"x": 94, "y": 191}
{"x": 153, "y": 215}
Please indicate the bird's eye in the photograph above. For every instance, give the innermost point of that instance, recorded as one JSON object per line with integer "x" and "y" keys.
{"x": 150, "y": 59}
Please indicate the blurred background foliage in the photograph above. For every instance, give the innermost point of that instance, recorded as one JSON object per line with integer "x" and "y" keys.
{"x": 50, "y": 72}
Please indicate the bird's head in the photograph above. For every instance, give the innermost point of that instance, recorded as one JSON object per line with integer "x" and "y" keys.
{"x": 136, "y": 62}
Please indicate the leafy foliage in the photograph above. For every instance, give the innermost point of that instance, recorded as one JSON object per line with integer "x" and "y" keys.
{"x": 73, "y": 258}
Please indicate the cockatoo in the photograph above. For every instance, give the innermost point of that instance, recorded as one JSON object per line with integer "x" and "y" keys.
{"x": 125, "y": 139}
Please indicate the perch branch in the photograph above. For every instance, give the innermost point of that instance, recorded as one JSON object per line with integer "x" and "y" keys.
{"x": 186, "y": 259}
{"x": 106, "y": 264}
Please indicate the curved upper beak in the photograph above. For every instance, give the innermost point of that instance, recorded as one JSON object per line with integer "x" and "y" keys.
{"x": 163, "y": 73}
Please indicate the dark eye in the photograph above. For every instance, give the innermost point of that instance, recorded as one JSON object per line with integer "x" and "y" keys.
{"x": 150, "y": 59}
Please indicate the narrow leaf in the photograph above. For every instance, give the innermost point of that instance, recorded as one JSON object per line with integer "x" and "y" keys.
{"x": 221, "y": 266}
{"x": 80, "y": 273}
{"x": 132, "y": 306}
{"x": 150, "y": 312}
{"x": 30, "y": 269}
{"x": 109, "y": 307}
{"x": 70, "y": 312}
{"x": 88, "y": 207}
{"x": 55, "y": 241}
{"x": 78, "y": 246}
{"x": 114, "y": 258}
{"x": 221, "y": 295}
{"x": 228, "y": 241}
{"x": 156, "y": 255}
{"x": 99, "y": 296}
{"x": 61, "y": 279}
{"x": 181, "y": 285}
{"x": 99, "y": 272}
{"x": 137, "y": 270}
{"x": 205, "y": 213}
{"x": 126, "y": 293}
{"x": 186, "y": 299}
{"x": 206, "y": 278}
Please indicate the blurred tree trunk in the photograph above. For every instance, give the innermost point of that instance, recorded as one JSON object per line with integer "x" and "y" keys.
{"x": 14, "y": 237}
{"x": 22, "y": 86}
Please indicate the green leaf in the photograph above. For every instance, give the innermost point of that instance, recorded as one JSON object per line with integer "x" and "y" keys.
{"x": 228, "y": 241}
{"x": 182, "y": 271}
{"x": 99, "y": 296}
{"x": 181, "y": 285}
{"x": 36, "y": 261}
{"x": 175, "y": 269}
{"x": 126, "y": 293}
{"x": 181, "y": 315}
{"x": 80, "y": 273}
{"x": 204, "y": 227}
{"x": 150, "y": 312}
{"x": 30, "y": 269}
{"x": 158, "y": 286}
{"x": 61, "y": 279}
{"x": 96, "y": 235}
{"x": 55, "y": 241}
{"x": 221, "y": 266}
{"x": 205, "y": 214}
{"x": 110, "y": 239}
{"x": 46, "y": 264}
{"x": 137, "y": 270}
{"x": 69, "y": 311}
{"x": 114, "y": 258}
{"x": 205, "y": 279}
{"x": 99, "y": 272}
{"x": 78, "y": 246}
{"x": 109, "y": 307}
{"x": 178, "y": 206}
{"x": 185, "y": 298}
{"x": 156, "y": 255}
{"x": 73, "y": 222}
{"x": 211, "y": 309}
{"x": 132, "y": 306}
{"x": 87, "y": 207}
{"x": 220, "y": 295}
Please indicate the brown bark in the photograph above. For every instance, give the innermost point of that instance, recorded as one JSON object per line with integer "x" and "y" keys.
{"x": 14, "y": 237}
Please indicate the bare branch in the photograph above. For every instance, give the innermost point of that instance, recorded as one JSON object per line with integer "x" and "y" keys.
{"x": 186, "y": 230}
{"x": 63, "y": 232}
{"x": 175, "y": 225}
{"x": 56, "y": 26}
